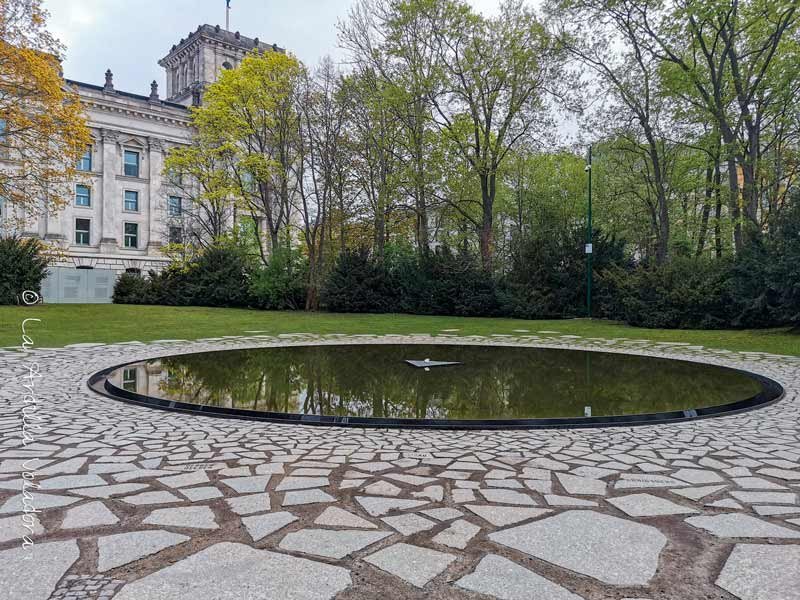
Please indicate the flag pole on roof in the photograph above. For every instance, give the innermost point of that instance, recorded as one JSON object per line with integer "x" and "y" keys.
{"x": 227, "y": 15}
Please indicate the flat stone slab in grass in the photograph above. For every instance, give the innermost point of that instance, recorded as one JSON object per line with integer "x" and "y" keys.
{"x": 647, "y": 505}
{"x": 500, "y": 516}
{"x": 582, "y": 486}
{"x": 229, "y": 571}
{"x": 247, "y": 505}
{"x": 337, "y": 517}
{"x": 32, "y": 573}
{"x": 260, "y": 526}
{"x": 412, "y": 564}
{"x": 502, "y": 496}
{"x": 93, "y": 514}
{"x": 313, "y": 496}
{"x": 744, "y": 526}
{"x": 762, "y": 572}
{"x": 613, "y": 550}
{"x": 378, "y": 506}
{"x": 116, "y": 550}
{"x": 146, "y": 498}
{"x": 330, "y": 543}
{"x": 198, "y": 517}
{"x": 498, "y": 577}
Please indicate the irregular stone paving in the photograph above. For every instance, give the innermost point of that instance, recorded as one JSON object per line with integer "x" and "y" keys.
{"x": 137, "y": 504}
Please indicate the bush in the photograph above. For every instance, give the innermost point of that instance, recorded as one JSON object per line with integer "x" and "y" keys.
{"x": 686, "y": 293}
{"x": 281, "y": 285}
{"x": 131, "y": 288}
{"x": 220, "y": 276}
{"x": 548, "y": 275}
{"x": 358, "y": 284}
{"x": 23, "y": 266}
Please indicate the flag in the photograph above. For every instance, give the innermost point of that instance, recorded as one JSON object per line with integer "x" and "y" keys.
{"x": 228, "y": 2}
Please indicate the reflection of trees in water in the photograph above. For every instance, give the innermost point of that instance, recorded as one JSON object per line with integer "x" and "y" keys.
{"x": 492, "y": 382}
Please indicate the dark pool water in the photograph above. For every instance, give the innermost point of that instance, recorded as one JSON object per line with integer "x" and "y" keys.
{"x": 490, "y": 383}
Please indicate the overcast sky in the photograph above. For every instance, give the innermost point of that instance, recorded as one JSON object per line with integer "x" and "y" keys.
{"x": 130, "y": 36}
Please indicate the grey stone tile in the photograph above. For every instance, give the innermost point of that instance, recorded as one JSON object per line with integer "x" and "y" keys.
{"x": 647, "y": 505}
{"x": 248, "y": 505}
{"x": 260, "y": 526}
{"x": 740, "y": 525}
{"x": 247, "y": 485}
{"x": 458, "y": 535}
{"x": 313, "y": 496}
{"x": 409, "y": 524}
{"x": 379, "y": 506}
{"x": 498, "y": 577}
{"x": 229, "y": 571}
{"x": 334, "y": 516}
{"x": 330, "y": 543}
{"x": 51, "y": 561}
{"x": 762, "y": 572}
{"x": 198, "y": 517}
{"x": 410, "y": 563}
{"x": 500, "y": 516}
{"x": 120, "y": 549}
{"x": 612, "y": 550}
{"x": 93, "y": 514}
{"x": 507, "y": 497}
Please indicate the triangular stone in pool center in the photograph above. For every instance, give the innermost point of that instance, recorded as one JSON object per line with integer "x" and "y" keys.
{"x": 420, "y": 364}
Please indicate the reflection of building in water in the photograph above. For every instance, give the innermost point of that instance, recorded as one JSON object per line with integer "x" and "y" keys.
{"x": 146, "y": 379}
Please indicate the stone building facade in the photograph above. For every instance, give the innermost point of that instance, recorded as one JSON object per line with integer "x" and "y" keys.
{"x": 123, "y": 210}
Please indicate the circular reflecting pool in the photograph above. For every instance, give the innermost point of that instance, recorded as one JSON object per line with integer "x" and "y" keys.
{"x": 404, "y": 385}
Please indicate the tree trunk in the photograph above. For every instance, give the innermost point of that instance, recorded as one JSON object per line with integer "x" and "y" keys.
{"x": 709, "y": 192}
{"x": 486, "y": 230}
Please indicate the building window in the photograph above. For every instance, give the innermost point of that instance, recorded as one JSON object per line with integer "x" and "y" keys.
{"x": 3, "y": 138}
{"x": 131, "y": 163}
{"x": 174, "y": 206}
{"x": 133, "y": 271}
{"x": 129, "y": 379}
{"x": 175, "y": 177}
{"x": 82, "y": 232}
{"x": 131, "y": 235}
{"x": 83, "y": 195}
{"x": 176, "y": 235}
{"x": 85, "y": 162}
{"x": 131, "y": 201}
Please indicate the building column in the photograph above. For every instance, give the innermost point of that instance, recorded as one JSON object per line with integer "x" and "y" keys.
{"x": 110, "y": 203}
{"x": 156, "y": 212}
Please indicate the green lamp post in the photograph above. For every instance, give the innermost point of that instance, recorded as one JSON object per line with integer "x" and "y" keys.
{"x": 589, "y": 248}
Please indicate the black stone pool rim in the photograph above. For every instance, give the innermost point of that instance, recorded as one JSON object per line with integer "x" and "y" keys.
{"x": 771, "y": 392}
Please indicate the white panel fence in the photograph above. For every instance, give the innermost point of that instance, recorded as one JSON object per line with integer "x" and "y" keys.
{"x": 64, "y": 285}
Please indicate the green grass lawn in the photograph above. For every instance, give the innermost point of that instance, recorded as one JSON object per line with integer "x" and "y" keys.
{"x": 63, "y": 324}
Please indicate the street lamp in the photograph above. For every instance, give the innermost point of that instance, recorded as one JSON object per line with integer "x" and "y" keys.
{"x": 589, "y": 249}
